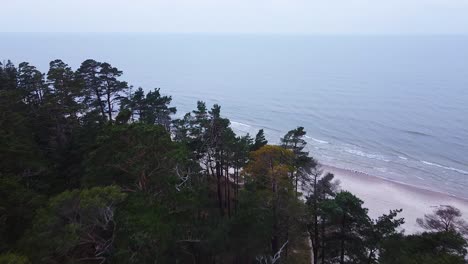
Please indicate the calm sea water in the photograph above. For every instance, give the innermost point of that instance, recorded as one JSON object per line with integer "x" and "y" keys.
{"x": 391, "y": 106}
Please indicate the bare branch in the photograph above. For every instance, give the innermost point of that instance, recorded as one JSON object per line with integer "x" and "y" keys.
{"x": 271, "y": 259}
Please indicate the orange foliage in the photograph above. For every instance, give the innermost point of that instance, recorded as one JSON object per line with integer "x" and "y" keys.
{"x": 271, "y": 164}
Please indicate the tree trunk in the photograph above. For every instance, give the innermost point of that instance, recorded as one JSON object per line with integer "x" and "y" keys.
{"x": 316, "y": 232}
{"x": 323, "y": 241}
{"x": 296, "y": 184}
{"x": 287, "y": 238}
{"x": 342, "y": 247}
{"x": 220, "y": 196}
{"x": 369, "y": 259}
{"x": 295, "y": 172}
{"x": 101, "y": 106}
{"x": 109, "y": 105}
{"x": 236, "y": 187}
{"x": 274, "y": 238}
{"x": 228, "y": 191}
{"x": 223, "y": 173}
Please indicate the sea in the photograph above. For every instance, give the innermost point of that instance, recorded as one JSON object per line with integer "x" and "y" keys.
{"x": 394, "y": 107}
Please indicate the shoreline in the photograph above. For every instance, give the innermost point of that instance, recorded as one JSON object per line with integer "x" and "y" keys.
{"x": 381, "y": 195}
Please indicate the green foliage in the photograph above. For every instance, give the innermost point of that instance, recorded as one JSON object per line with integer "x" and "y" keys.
{"x": 156, "y": 109}
{"x": 8, "y": 76}
{"x": 66, "y": 92}
{"x": 432, "y": 248}
{"x": 294, "y": 140}
{"x": 31, "y": 83}
{"x": 145, "y": 233}
{"x": 102, "y": 88}
{"x": 19, "y": 151}
{"x": 10, "y": 258}
{"x": 303, "y": 164}
{"x": 74, "y": 225}
{"x": 243, "y": 237}
{"x": 17, "y": 207}
{"x": 260, "y": 140}
{"x": 152, "y": 109}
{"x": 136, "y": 156}
{"x": 346, "y": 219}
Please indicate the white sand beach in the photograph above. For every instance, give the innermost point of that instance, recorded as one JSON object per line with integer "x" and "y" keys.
{"x": 381, "y": 195}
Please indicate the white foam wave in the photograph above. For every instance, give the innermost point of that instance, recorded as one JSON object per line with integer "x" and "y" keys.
{"x": 445, "y": 167}
{"x": 366, "y": 155}
{"x": 403, "y": 158}
{"x": 381, "y": 169}
{"x": 234, "y": 123}
{"x": 319, "y": 140}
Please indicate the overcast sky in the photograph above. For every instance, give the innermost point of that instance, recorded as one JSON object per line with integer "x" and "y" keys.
{"x": 237, "y": 16}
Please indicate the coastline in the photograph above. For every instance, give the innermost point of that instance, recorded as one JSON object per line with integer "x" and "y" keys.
{"x": 381, "y": 195}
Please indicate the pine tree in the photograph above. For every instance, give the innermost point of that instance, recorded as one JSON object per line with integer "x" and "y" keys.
{"x": 111, "y": 87}
{"x": 157, "y": 109}
{"x": 303, "y": 164}
{"x": 31, "y": 84}
{"x": 260, "y": 140}
{"x": 88, "y": 75}
{"x": 66, "y": 92}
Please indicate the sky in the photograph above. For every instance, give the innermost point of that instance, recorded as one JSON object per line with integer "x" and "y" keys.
{"x": 237, "y": 16}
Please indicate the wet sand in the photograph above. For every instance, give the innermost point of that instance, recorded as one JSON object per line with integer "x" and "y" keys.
{"x": 380, "y": 195}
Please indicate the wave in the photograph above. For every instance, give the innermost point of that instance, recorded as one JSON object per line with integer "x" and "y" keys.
{"x": 381, "y": 169}
{"x": 239, "y": 124}
{"x": 445, "y": 167}
{"x": 318, "y": 140}
{"x": 272, "y": 129}
{"x": 417, "y": 133}
{"x": 403, "y": 158}
{"x": 366, "y": 155}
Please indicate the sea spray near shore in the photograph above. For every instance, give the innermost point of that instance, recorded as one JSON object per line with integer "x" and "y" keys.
{"x": 317, "y": 149}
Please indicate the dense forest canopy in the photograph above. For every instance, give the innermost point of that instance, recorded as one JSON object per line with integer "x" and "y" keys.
{"x": 95, "y": 171}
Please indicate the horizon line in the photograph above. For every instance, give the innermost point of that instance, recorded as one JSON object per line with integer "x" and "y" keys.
{"x": 246, "y": 33}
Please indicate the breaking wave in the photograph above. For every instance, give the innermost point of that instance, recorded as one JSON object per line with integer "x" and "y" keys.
{"x": 445, "y": 167}
{"x": 317, "y": 140}
{"x": 366, "y": 155}
{"x": 234, "y": 123}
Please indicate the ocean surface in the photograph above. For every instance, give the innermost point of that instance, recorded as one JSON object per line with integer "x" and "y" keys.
{"x": 390, "y": 106}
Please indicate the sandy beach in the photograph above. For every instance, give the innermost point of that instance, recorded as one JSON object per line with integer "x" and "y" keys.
{"x": 381, "y": 195}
